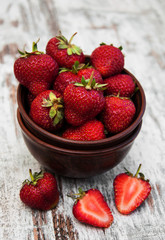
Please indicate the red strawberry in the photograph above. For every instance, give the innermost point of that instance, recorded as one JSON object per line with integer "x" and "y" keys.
{"x": 86, "y": 73}
{"x": 47, "y": 110}
{"x": 64, "y": 52}
{"x": 130, "y": 191}
{"x": 118, "y": 113}
{"x": 89, "y": 131}
{"x": 41, "y": 192}
{"x": 35, "y": 70}
{"x": 122, "y": 84}
{"x": 67, "y": 76}
{"x": 108, "y": 60}
{"x": 83, "y": 101}
{"x": 64, "y": 79}
{"x": 91, "y": 208}
{"x": 30, "y": 98}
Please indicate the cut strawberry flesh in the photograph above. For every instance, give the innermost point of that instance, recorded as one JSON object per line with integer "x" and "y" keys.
{"x": 130, "y": 192}
{"x": 92, "y": 209}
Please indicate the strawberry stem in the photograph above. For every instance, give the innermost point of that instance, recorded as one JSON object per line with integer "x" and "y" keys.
{"x": 89, "y": 85}
{"x": 70, "y": 40}
{"x": 77, "y": 196}
{"x": 138, "y": 170}
{"x": 31, "y": 175}
{"x": 34, "y": 46}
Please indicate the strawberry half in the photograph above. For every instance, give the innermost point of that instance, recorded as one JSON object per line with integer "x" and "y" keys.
{"x": 130, "y": 191}
{"x": 91, "y": 208}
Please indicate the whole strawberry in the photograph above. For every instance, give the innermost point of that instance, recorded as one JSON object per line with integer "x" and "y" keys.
{"x": 30, "y": 98}
{"x": 41, "y": 192}
{"x": 35, "y": 70}
{"x": 63, "y": 80}
{"x": 120, "y": 83}
{"x": 118, "y": 113}
{"x": 91, "y": 208}
{"x": 87, "y": 72}
{"x": 130, "y": 191}
{"x": 67, "y": 76}
{"x": 83, "y": 101}
{"x": 46, "y": 110}
{"x": 89, "y": 131}
{"x": 64, "y": 52}
{"x": 79, "y": 70}
{"x": 108, "y": 60}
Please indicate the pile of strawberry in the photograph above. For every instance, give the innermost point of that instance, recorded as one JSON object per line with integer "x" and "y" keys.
{"x": 79, "y": 96}
{"x": 90, "y": 207}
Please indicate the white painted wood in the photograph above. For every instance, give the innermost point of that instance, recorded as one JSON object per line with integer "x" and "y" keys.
{"x": 139, "y": 27}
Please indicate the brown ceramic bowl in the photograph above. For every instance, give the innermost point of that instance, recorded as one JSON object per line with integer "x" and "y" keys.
{"x": 76, "y": 163}
{"x": 56, "y": 140}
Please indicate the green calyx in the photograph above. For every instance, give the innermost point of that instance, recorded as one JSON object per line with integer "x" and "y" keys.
{"x": 34, "y": 178}
{"x": 56, "y": 107}
{"x": 75, "y": 68}
{"x": 91, "y": 83}
{"x": 102, "y": 44}
{"x": 141, "y": 175}
{"x": 34, "y": 51}
{"x": 65, "y": 44}
{"x": 77, "y": 196}
{"x": 118, "y": 96}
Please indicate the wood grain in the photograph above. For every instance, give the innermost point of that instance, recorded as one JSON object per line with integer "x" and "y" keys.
{"x": 139, "y": 27}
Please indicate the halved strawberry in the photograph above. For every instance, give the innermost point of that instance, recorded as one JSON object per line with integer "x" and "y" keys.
{"x": 130, "y": 191}
{"x": 91, "y": 208}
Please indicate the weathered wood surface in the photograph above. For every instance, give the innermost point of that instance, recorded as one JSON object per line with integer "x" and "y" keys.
{"x": 139, "y": 27}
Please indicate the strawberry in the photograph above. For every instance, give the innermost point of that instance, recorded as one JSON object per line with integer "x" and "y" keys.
{"x": 120, "y": 83}
{"x": 83, "y": 101}
{"x": 67, "y": 76}
{"x": 30, "y": 98}
{"x": 91, "y": 208}
{"x": 63, "y": 80}
{"x": 35, "y": 70}
{"x": 108, "y": 60}
{"x": 89, "y": 131}
{"x": 118, "y": 113}
{"x": 64, "y": 52}
{"x": 41, "y": 192}
{"x": 130, "y": 191}
{"x": 86, "y": 73}
{"x": 46, "y": 110}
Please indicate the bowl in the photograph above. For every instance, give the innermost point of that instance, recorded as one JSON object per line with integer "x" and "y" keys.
{"x": 76, "y": 163}
{"x": 56, "y": 140}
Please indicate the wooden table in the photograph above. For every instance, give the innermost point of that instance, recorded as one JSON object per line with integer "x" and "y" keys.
{"x": 139, "y": 27}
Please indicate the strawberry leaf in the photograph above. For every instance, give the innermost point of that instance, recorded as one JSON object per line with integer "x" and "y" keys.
{"x": 52, "y": 112}
{"x": 101, "y": 44}
{"x": 46, "y": 103}
{"x": 83, "y": 81}
{"x": 69, "y": 51}
{"x": 141, "y": 175}
{"x": 52, "y": 97}
{"x": 58, "y": 118}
